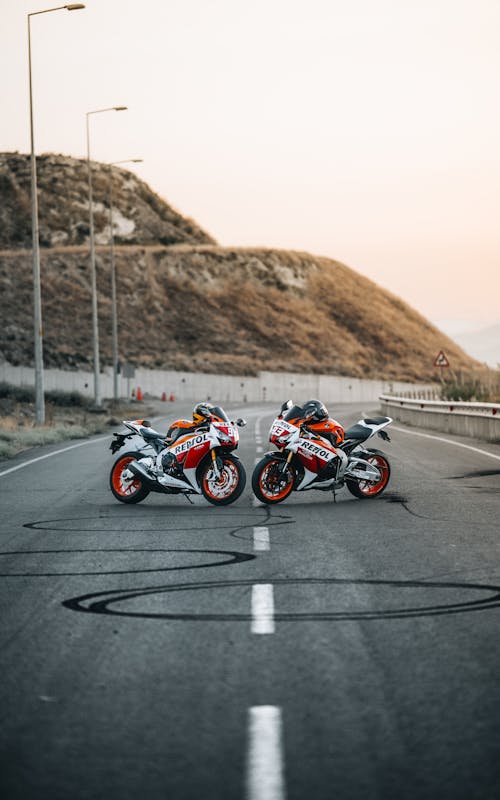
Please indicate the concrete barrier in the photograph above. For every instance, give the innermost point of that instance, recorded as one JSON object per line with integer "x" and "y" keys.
{"x": 266, "y": 386}
{"x": 478, "y": 420}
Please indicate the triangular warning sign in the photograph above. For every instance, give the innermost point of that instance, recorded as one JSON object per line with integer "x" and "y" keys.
{"x": 441, "y": 360}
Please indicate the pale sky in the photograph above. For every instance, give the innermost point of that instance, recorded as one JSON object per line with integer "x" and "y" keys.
{"x": 367, "y": 131}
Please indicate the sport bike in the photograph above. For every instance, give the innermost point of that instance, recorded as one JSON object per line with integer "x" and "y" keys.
{"x": 305, "y": 460}
{"x": 203, "y": 462}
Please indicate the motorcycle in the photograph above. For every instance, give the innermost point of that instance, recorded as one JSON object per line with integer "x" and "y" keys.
{"x": 199, "y": 462}
{"x": 305, "y": 460}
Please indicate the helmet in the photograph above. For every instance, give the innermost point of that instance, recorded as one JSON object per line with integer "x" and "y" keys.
{"x": 202, "y": 412}
{"x": 314, "y": 410}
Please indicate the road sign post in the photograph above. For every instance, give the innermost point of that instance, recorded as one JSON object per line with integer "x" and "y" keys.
{"x": 441, "y": 361}
{"x": 128, "y": 372}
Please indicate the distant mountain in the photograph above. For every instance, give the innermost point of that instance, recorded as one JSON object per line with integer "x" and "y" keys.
{"x": 484, "y": 345}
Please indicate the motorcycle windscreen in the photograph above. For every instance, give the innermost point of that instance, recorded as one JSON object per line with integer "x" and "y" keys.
{"x": 294, "y": 413}
{"x": 218, "y": 411}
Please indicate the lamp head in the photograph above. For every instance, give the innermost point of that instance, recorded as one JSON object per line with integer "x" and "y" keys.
{"x": 74, "y": 6}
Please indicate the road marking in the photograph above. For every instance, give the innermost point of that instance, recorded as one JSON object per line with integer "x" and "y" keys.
{"x": 265, "y": 772}
{"x": 262, "y": 608}
{"x": 261, "y": 539}
{"x": 447, "y": 441}
{"x": 258, "y": 450}
{"x": 54, "y": 453}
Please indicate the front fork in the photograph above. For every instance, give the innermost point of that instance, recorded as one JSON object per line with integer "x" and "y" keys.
{"x": 286, "y": 462}
{"x": 216, "y": 464}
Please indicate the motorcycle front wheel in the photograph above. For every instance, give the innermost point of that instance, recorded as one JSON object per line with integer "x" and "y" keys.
{"x": 228, "y": 486}
{"x": 126, "y": 490}
{"x": 360, "y": 488}
{"x": 270, "y": 482}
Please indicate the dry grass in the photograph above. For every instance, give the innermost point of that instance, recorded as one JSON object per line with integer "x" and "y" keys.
{"x": 228, "y": 310}
{"x": 18, "y": 431}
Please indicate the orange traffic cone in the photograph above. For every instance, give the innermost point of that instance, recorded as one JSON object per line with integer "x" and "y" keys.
{"x": 171, "y": 398}
{"x": 139, "y": 394}
{"x": 164, "y": 396}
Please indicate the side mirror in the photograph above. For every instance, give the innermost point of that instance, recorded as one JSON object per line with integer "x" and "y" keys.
{"x": 241, "y": 422}
{"x": 286, "y": 406}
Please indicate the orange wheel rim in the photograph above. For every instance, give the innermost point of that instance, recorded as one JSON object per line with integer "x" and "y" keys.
{"x": 369, "y": 488}
{"x": 123, "y": 486}
{"x": 226, "y": 485}
{"x": 271, "y": 485}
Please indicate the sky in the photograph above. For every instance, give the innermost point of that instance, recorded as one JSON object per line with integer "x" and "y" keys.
{"x": 367, "y": 131}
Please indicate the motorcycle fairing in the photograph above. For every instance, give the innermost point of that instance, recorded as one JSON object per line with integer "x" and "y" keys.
{"x": 314, "y": 455}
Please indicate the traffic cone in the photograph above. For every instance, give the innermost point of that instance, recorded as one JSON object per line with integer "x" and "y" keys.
{"x": 171, "y": 398}
{"x": 164, "y": 396}
{"x": 139, "y": 394}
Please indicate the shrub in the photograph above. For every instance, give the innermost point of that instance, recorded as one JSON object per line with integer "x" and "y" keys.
{"x": 61, "y": 398}
{"x": 471, "y": 391}
{"x": 22, "y": 394}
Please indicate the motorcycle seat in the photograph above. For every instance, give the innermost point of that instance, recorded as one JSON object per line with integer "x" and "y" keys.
{"x": 357, "y": 432}
{"x": 149, "y": 434}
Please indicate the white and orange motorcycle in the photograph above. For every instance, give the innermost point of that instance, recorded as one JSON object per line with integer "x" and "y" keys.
{"x": 199, "y": 461}
{"x": 314, "y": 452}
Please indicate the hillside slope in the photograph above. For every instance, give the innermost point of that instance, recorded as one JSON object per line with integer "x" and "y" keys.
{"x": 139, "y": 215}
{"x": 214, "y": 309}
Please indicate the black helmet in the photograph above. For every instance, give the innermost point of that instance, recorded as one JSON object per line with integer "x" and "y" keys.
{"x": 202, "y": 412}
{"x": 315, "y": 410}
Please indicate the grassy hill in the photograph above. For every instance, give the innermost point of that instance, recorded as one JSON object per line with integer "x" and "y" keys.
{"x": 183, "y": 301}
{"x": 215, "y": 309}
{"x": 140, "y": 215}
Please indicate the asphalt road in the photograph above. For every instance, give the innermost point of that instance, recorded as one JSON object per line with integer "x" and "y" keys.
{"x": 322, "y": 650}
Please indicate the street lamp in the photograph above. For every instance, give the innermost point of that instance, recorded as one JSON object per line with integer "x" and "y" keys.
{"x": 95, "y": 327}
{"x": 114, "y": 314}
{"x": 37, "y": 296}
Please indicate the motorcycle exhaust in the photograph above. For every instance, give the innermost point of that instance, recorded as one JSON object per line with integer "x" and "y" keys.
{"x": 141, "y": 472}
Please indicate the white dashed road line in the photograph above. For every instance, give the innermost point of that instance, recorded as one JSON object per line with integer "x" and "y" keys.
{"x": 265, "y": 768}
{"x": 262, "y": 608}
{"x": 261, "y": 538}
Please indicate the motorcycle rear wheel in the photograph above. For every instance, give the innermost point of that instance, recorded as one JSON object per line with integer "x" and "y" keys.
{"x": 228, "y": 487}
{"x": 270, "y": 483}
{"x": 124, "y": 489}
{"x": 363, "y": 489}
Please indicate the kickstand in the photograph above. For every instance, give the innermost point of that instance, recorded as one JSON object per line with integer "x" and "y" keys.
{"x": 188, "y": 498}
{"x": 334, "y": 494}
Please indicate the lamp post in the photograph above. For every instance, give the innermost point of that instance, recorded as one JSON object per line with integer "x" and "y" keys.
{"x": 37, "y": 297}
{"x": 114, "y": 313}
{"x": 95, "y": 326}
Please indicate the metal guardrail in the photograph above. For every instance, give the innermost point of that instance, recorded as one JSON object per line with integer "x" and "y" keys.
{"x": 458, "y": 408}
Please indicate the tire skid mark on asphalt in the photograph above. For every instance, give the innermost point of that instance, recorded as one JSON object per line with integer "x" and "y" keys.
{"x": 484, "y": 597}
{"x": 265, "y": 762}
{"x": 44, "y": 524}
{"x": 231, "y": 557}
